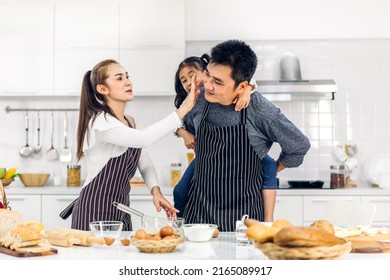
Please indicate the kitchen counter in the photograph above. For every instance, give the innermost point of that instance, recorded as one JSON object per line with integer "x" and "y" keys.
{"x": 222, "y": 248}
{"x": 17, "y": 188}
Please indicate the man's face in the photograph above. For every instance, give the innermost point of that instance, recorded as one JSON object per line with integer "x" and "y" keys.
{"x": 218, "y": 84}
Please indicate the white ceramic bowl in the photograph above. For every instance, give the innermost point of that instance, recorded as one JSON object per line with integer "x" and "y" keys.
{"x": 111, "y": 229}
{"x": 199, "y": 232}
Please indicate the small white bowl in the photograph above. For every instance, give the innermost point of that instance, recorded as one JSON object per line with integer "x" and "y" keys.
{"x": 199, "y": 232}
{"x": 111, "y": 229}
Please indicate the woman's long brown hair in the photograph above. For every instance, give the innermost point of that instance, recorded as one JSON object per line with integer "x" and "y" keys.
{"x": 92, "y": 103}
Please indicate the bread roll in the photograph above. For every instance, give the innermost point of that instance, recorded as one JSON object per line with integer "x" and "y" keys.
{"x": 324, "y": 224}
{"x": 260, "y": 233}
{"x": 249, "y": 222}
{"x": 279, "y": 224}
{"x": 305, "y": 237}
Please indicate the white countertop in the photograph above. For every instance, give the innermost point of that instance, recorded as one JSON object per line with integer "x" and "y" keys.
{"x": 222, "y": 248}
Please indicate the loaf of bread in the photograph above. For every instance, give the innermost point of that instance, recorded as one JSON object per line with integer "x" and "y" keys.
{"x": 324, "y": 224}
{"x": 305, "y": 237}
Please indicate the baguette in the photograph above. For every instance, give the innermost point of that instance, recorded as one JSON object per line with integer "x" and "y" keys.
{"x": 305, "y": 237}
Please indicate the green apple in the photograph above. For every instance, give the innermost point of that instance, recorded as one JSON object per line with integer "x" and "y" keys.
{"x": 2, "y": 172}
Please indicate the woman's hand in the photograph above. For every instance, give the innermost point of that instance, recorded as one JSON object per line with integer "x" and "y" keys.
{"x": 160, "y": 202}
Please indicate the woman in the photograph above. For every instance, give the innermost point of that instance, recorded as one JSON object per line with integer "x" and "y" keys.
{"x": 112, "y": 147}
{"x": 194, "y": 66}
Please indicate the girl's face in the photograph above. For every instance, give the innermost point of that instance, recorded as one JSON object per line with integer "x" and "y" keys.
{"x": 186, "y": 74}
{"x": 118, "y": 86}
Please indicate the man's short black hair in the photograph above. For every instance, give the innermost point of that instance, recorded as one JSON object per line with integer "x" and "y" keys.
{"x": 239, "y": 56}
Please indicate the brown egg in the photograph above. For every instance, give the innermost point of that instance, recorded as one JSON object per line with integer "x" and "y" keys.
{"x": 216, "y": 233}
{"x": 156, "y": 237}
{"x": 125, "y": 241}
{"x": 109, "y": 240}
{"x": 170, "y": 237}
{"x": 166, "y": 231}
{"x": 140, "y": 234}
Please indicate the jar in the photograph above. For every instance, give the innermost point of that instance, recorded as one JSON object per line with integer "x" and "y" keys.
{"x": 73, "y": 178}
{"x": 337, "y": 176}
{"x": 175, "y": 173}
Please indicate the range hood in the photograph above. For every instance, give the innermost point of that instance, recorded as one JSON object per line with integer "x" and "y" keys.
{"x": 291, "y": 86}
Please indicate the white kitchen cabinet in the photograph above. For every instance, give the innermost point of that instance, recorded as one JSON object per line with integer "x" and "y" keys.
{"x": 71, "y": 66}
{"x": 285, "y": 19}
{"x": 91, "y": 26}
{"x": 152, "y": 24}
{"x": 85, "y": 34}
{"x": 52, "y": 206}
{"x": 29, "y": 206}
{"x": 152, "y": 72}
{"x": 26, "y": 49}
{"x": 382, "y": 212}
{"x": 314, "y": 206}
{"x": 289, "y": 208}
{"x": 144, "y": 204}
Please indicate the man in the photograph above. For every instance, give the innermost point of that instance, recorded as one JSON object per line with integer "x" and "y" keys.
{"x": 227, "y": 180}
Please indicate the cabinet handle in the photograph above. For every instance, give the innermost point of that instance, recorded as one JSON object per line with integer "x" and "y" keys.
{"x": 152, "y": 46}
{"x": 20, "y": 92}
{"x": 87, "y": 46}
{"x": 326, "y": 200}
{"x": 16, "y": 199}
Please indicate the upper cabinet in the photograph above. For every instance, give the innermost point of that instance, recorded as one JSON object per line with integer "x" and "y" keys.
{"x": 46, "y": 46}
{"x": 26, "y": 49}
{"x": 152, "y": 24}
{"x": 84, "y": 35}
{"x": 86, "y": 26}
{"x": 286, "y": 19}
{"x": 152, "y": 43}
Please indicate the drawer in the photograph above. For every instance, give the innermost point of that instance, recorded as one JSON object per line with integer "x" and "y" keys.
{"x": 29, "y": 206}
{"x": 314, "y": 206}
{"x": 52, "y": 206}
{"x": 289, "y": 208}
{"x": 382, "y": 203}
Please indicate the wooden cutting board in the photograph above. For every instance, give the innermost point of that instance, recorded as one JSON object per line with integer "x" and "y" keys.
{"x": 27, "y": 254}
{"x": 370, "y": 244}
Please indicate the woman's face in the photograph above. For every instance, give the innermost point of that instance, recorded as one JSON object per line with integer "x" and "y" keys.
{"x": 118, "y": 86}
{"x": 186, "y": 74}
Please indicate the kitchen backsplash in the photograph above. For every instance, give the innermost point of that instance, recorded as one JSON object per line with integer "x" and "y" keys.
{"x": 360, "y": 113}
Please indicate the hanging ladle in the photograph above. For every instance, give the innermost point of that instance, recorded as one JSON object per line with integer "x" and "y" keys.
{"x": 38, "y": 148}
{"x": 26, "y": 150}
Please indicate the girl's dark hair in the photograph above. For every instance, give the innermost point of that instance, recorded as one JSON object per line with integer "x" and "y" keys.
{"x": 91, "y": 102}
{"x": 199, "y": 63}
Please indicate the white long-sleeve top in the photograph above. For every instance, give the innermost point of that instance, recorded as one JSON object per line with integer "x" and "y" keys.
{"x": 108, "y": 138}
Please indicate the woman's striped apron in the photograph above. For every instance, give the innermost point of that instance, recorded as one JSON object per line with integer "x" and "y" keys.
{"x": 227, "y": 180}
{"x": 111, "y": 184}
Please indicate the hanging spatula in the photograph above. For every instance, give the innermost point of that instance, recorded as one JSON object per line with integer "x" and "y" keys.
{"x": 66, "y": 153}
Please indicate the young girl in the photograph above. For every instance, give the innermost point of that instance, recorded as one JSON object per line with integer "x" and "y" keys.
{"x": 194, "y": 66}
{"x": 112, "y": 147}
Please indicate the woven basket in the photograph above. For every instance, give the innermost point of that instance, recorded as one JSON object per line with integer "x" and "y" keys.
{"x": 156, "y": 246}
{"x": 6, "y": 182}
{"x": 275, "y": 252}
{"x": 2, "y": 194}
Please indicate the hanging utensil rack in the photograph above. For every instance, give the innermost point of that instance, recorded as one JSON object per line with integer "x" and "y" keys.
{"x": 8, "y": 109}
